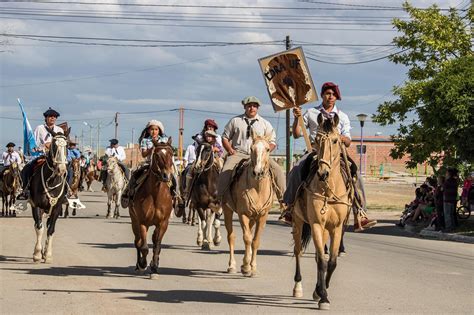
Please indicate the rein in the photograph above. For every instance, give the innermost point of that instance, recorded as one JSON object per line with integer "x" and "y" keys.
{"x": 158, "y": 175}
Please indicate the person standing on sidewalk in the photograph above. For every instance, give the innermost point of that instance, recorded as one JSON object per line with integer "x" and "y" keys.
{"x": 450, "y": 196}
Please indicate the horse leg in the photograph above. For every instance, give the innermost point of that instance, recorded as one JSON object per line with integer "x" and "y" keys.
{"x": 3, "y": 204}
{"x": 66, "y": 211}
{"x": 217, "y": 231}
{"x": 200, "y": 235}
{"x": 51, "y": 224}
{"x": 157, "y": 238}
{"x": 13, "y": 200}
{"x": 320, "y": 293}
{"x": 228, "y": 213}
{"x": 142, "y": 247}
{"x": 193, "y": 221}
{"x": 336, "y": 236}
{"x": 109, "y": 205}
{"x": 39, "y": 228}
{"x": 117, "y": 207}
{"x": 297, "y": 249}
{"x": 259, "y": 227}
{"x": 246, "y": 269}
{"x": 210, "y": 215}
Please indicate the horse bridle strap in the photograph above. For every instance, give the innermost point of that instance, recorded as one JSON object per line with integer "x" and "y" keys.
{"x": 52, "y": 200}
{"x": 159, "y": 174}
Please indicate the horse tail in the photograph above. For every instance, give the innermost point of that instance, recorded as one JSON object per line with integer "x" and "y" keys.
{"x": 305, "y": 235}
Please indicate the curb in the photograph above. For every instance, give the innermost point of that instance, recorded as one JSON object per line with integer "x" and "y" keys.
{"x": 447, "y": 236}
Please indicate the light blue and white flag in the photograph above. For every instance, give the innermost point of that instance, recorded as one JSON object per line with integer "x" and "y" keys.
{"x": 29, "y": 142}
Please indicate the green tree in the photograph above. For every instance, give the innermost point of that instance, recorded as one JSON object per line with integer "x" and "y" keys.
{"x": 435, "y": 104}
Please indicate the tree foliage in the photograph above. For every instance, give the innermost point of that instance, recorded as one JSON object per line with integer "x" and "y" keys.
{"x": 435, "y": 104}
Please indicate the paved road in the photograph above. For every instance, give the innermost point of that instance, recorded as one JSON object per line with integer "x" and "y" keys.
{"x": 385, "y": 271}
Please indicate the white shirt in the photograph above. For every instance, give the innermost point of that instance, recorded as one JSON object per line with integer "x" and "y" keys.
{"x": 190, "y": 155}
{"x": 118, "y": 152}
{"x": 10, "y": 157}
{"x": 310, "y": 119}
{"x": 42, "y": 136}
{"x": 236, "y": 132}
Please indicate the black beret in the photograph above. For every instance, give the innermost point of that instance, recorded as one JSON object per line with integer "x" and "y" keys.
{"x": 113, "y": 141}
{"x": 50, "y": 112}
{"x": 10, "y": 144}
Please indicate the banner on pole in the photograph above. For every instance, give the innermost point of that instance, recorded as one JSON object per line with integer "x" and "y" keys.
{"x": 29, "y": 143}
{"x": 288, "y": 80}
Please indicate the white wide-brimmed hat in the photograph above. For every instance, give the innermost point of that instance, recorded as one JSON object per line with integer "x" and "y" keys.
{"x": 157, "y": 123}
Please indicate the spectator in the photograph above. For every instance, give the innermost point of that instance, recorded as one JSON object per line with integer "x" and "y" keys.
{"x": 465, "y": 188}
{"x": 438, "y": 195}
{"x": 450, "y": 195}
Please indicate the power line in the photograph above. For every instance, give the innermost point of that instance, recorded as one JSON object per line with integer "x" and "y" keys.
{"x": 357, "y": 62}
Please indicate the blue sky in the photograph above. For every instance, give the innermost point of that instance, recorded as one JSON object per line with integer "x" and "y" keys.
{"x": 83, "y": 82}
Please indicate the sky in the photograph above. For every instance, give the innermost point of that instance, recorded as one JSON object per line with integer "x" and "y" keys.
{"x": 151, "y": 75}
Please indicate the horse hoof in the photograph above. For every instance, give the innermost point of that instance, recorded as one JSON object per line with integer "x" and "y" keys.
{"x": 231, "y": 270}
{"x": 48, "y": 260}
{"x": 74, "y": 212}
{"x": 254, "y": 274}
{"x": 246, "y": 272}
{"x": 108, "y": 217}
{"x": 140, "y": 271}
{"x": 324, "y": 306}
{"x": 217, "y": 243}
{"x": 316, "y": 297}
{"x": 206, "y": 246}
{"x": 298, "y": 290}
{"x": 14, "y": 214}
{"x": 37, "y": 259}
{"x": 199, "y": 243}
{"x": 154, "y": 276}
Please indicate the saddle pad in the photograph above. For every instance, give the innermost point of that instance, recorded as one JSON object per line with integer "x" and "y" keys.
{"x": 238, "y": 170}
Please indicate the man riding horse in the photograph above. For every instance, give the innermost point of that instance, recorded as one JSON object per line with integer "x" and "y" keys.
{"x": 115, "y": 150}
{"x": 329, "y": 94}
{"x": 154, "y": 131}
{"x": 43, "y": 140}
{"x": 10, "y": 156}
{"x": 237, "y": 141}
{"x": 72, "y": 154}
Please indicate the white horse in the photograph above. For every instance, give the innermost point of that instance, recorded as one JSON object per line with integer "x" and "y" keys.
{"x": 115, "y": 185}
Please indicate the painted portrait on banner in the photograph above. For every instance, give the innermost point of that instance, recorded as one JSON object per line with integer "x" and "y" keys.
{"x": 288, "y": 79}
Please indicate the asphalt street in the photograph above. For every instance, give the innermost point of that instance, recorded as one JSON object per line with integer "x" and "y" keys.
{"x": 385, "y": 271}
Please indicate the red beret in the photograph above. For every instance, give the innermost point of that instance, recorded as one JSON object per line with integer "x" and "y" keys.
{"x": 211, "y": 122}
{"x": 332, "y": 86}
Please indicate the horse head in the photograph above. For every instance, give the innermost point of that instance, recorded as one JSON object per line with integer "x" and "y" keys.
{"x": 260, "y": 154}
{"x": 204, "y": 157}
{"x": 328, "y": 145}
{"x": 14, "y": 169}
{"x": 162, "y": 159}
{"x": 58, "y": 152}
{"x": 112, "y": 163}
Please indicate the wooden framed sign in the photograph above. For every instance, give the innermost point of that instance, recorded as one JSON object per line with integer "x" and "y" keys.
{"x": 288, "y": 80}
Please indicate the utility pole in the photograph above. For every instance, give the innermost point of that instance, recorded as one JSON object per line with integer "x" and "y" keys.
{"x": 116, "y": 125}
{"x": 133, "y": 147}
{"x": 180, "y": 138}
{"x": 82, "y": 140}
{"x": 288, "y": 131}
{"x": 98, "y": 138}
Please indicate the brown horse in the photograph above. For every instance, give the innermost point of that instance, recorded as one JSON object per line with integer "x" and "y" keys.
{"x": 190, "y": 218}
{"x": 204, "y": 198}
{"x": 152, "y": 205}
{"x": 89, "y": 174}
{"x": 251, "y": 196}
{"x": 322, "y": 209}
{"x": 48, "y": 193}
{"x": 74, "y": 188}
{"x": 11, "y": 184}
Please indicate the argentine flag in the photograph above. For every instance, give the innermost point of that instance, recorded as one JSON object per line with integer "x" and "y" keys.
{"x": 29, "y": 142}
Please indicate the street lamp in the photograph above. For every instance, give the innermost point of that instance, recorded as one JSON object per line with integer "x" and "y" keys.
{"x": 361, "y": 118}
{"x": 90, "y": 133}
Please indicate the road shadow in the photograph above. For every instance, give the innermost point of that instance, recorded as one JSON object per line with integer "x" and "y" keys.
{"x": 132, "y": 245}
{"x": 261, "y": 252}
{"x": 231, "y": 298}
{"x": 14, "y": 259}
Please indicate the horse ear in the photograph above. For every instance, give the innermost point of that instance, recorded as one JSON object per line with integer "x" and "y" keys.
{"x": 268, "y": 135}
{"x": 170, "y": 140}
{"x": 335, "y": 120}
{"x": 320, "y": 119}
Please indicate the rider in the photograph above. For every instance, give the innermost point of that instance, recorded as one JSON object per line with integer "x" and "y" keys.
{"x": 329, "y": 94}
{"x": 209, "y": 124}
{"x": 115, "y": 150}
{"x": 237, "y": 141}
{"x": 154, "y": 130}
{"x": 72, "y": 153}
{"x": 9, "y": 156}
{"x": 43, "y": 141}
{"x": 210, "y": 137}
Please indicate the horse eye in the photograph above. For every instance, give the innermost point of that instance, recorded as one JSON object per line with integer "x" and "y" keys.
{"x": 334, "y": 141}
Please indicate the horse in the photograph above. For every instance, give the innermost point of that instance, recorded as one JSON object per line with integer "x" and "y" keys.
{"x": 115, "y": 184}
{"x": 10, "y": 185}
{"x": 152, "y": 205}
{"x": 191, "y": 217}
{"x": 48, "y": 193}
{"x": 203, "y": 194}
{"x": 251, "y": 197}
{"x": 74, "y": 188}
{"x": 89, "y": 174}
{"x": 322, "y": 210}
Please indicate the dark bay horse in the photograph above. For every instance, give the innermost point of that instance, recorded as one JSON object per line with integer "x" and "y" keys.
{"x": 322, "y": 210}
{"x": 11, "y": 184}
{"x": 89, "y": 174}
{"x": 48, "y": 193}
{"x": 152, "y": 205}
{"x": 203, "y": 194}
{"x": 74, "y": 188}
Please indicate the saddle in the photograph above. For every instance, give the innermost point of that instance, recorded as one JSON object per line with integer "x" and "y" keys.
{"x": 238, "y": 171}
{"x": 39, "y": 162}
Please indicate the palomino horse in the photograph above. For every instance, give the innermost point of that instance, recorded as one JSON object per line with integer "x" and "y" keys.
{"x": 115, "y": 185}
{"x": 74, "y": 188}
{"x": 48, "y": 193}
{"x": 322, "y": 210}
{"x": 11, "y": 184}
{"x": 152, "y": 205}
{"x": 204, "y": 199}
{"x": 251, "y": 196}
{"x": 89, "y": 174}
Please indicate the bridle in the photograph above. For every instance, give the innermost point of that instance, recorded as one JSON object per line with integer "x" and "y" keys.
{"x": 209, "y": 162}
{"x": 160, "y": 174}
{"x": 266, "y": 167}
